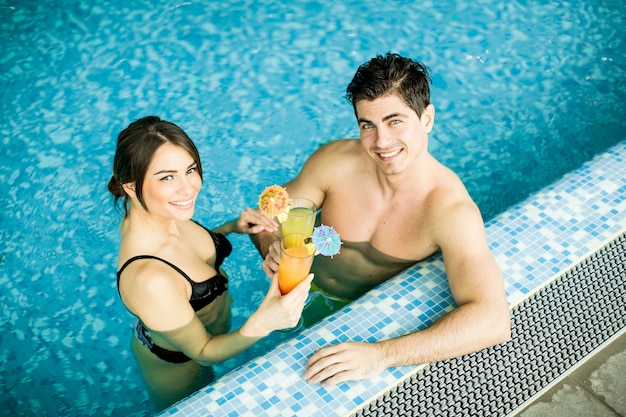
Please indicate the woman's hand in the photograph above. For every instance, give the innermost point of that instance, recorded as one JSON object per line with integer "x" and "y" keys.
{"x": 253, "y": 221}
{"x": 277, "y": 311}
{"x": 250, "y": 222}
{"x": 271, "y": 261}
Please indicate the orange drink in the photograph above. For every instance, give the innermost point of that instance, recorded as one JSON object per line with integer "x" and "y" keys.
{"x": 296, "y": 259}
{"x": 300, "y": 218}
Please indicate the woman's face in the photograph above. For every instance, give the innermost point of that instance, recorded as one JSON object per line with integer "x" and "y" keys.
{"x": 172, "y": 183}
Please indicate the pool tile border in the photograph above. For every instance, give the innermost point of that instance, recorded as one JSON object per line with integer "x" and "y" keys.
{"x": 532, "y": 242}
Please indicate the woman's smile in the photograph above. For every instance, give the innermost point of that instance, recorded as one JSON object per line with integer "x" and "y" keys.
{"x": 186, "y": 204}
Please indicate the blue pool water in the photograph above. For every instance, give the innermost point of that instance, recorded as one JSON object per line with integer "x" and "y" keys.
{"x": 524, "y": 91}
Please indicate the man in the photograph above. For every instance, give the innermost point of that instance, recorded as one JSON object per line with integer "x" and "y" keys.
{"x": 394, "y": 204}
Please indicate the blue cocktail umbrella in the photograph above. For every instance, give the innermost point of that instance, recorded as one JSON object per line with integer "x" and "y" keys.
{"x": 326, "y": 240}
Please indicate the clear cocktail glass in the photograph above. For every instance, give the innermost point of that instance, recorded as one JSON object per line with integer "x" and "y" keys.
{"x": 300, "y": 218}
{"x": 296, "y": 258}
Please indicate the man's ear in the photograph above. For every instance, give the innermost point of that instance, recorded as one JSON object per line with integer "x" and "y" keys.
{"x": 428, "y": 118}
{"x": 129, "y": 187}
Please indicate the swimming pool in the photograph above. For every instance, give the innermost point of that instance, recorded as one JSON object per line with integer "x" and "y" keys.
{"x": 524, "y": 93}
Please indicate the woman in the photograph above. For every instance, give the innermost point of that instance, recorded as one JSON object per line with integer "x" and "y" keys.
{"x": 169, "y": 266}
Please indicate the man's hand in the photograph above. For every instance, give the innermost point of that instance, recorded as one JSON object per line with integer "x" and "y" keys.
{"x": 349, "y": 361}
{"x": 271, "y": 261}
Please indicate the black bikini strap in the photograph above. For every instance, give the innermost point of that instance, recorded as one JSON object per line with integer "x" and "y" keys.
{"x": 136, "y": 258}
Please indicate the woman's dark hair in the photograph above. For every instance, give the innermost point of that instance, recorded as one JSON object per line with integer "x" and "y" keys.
{"x": 136, "y": 146}
{"x": 391, "y": 74}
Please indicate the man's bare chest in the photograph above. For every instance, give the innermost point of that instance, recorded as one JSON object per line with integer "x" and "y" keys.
{"x": 399, "y": 230}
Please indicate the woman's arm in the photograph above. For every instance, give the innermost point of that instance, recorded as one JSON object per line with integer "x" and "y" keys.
{"x": 275, "y": 312}
{"x": 159, "y": 299}
{"x": 250, "y": 221}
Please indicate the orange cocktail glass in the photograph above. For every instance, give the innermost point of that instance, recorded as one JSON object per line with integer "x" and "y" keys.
{"x": 296, "y": 259}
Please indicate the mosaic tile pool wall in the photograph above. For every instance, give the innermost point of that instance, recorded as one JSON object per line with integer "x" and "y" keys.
{"x": 533, "y": 242}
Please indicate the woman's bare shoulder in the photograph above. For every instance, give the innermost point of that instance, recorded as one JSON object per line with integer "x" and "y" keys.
{"x": 151, "y": 287}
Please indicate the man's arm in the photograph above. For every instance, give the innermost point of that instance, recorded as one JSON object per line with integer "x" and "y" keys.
{"x": 481, "y": 319}
{"x": 310, "y": 183}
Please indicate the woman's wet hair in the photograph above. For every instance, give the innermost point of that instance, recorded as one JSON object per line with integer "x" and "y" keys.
{"x": 391, "y": 74}
{"x": 136, "y": 146}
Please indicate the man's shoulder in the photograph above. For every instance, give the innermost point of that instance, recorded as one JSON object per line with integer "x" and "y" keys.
{"x": 451, "y": 207}
{"x": 338, "y": 150}
{"x": 448, "y": 190}
{"x": 342, "y": 145}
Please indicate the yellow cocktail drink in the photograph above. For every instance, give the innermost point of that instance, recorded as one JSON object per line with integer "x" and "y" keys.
{"x": 295, "y": 262}
{"x": 300, "y": 218}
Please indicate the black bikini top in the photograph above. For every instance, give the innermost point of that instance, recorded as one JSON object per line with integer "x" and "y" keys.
{"x": 202, "y": 293}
